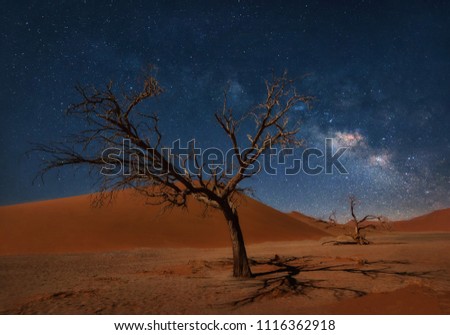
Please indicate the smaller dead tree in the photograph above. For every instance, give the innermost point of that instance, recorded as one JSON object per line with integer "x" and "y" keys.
{"x": 332, "y": 219}
{"x": 331, "y": 222}
{"x": 358, "y": 234}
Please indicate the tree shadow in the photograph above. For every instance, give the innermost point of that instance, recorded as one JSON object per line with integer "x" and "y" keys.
{"x": 282, "y": 277}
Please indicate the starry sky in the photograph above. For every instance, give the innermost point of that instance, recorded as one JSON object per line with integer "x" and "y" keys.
{"x": 380, "y": 72}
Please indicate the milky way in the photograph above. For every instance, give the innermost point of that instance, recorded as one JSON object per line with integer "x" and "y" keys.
{"x": 380, "y": 72}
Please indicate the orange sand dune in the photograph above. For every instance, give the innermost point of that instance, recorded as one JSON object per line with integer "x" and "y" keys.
{"x": 72, "y": 225}
{"x": 435, "y": 221}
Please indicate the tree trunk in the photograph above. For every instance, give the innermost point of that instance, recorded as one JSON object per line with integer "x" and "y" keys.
{"x": 357, "y": 232}
{"x": 358, "y": 237}
{"x": 241, "y": 267}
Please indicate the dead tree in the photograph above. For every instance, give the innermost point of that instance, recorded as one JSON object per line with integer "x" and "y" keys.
{"x": 112, "y": 117}
{"x": 332, "y": 219}
{"x": 358, "y": 233}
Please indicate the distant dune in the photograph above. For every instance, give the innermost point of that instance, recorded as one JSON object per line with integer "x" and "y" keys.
{"x": 334, "y": 230}
{"x": 310, "y": 221}
{"x": 303, "y": 217}
{"x": 435, "y": 221}
{"x": 72, "y": 225}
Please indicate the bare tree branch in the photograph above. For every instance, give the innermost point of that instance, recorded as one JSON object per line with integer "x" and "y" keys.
{"x": 357, "y": 235}
{"x": 113, "y": 120}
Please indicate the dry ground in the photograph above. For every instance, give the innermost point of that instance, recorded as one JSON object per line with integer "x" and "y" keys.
{"x": 402, "y": 273}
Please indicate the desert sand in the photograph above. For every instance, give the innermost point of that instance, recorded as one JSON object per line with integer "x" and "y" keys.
{"x": 65, "y": 257}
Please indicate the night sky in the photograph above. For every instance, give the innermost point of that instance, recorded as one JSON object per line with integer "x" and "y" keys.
{"x": 380, "y": 72}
